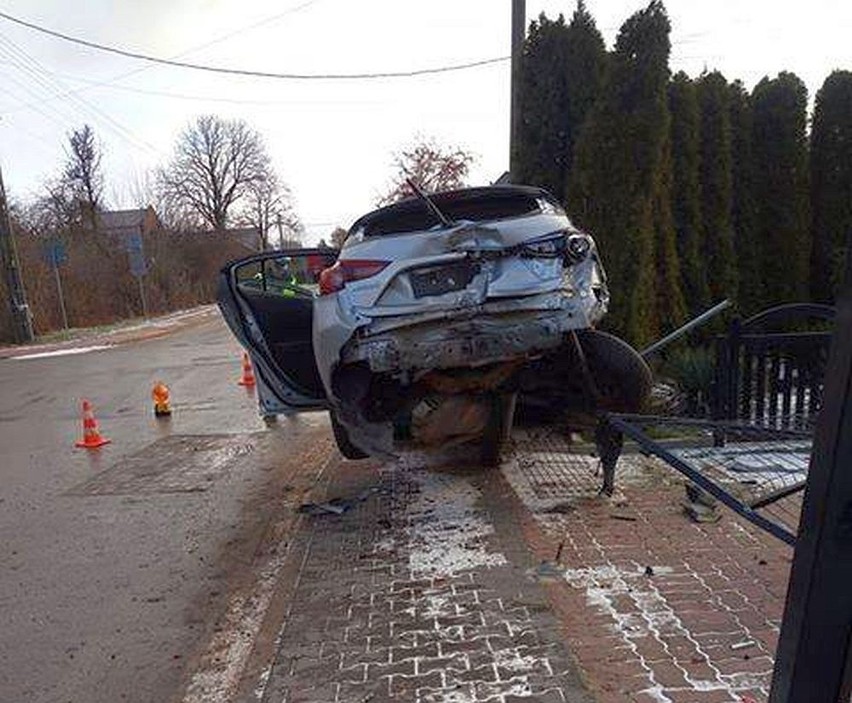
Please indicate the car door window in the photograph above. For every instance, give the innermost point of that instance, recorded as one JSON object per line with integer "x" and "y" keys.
{"x": 289, "y": 276}
{"x": 249, "y": 276}
{"x": 279, "y": 290}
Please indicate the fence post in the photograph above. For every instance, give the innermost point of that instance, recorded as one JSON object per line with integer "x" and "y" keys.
{"x": 813, "y": 663}
{"x": 725, "y": 378}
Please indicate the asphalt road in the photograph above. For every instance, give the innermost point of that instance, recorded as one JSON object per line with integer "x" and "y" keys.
{"x": 118, "y": 565}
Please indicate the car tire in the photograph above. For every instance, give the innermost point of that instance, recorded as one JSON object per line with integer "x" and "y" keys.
{"x": 621, "y": 376}
{"x": 344, "y": 444}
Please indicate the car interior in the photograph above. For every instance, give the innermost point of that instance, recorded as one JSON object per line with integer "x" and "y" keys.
{"x": 280, "y": 291}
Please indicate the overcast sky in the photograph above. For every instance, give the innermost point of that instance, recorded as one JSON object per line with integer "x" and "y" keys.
{"x": 332, "y": 141}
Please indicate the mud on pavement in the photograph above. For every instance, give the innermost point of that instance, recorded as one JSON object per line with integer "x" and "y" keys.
{"x": 419, "y": 592}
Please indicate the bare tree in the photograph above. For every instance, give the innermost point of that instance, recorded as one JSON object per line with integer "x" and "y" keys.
{"x": 57, "y": 209}
{"x": 269, "y": 204}
{"x": 432, "y": 166}
{"x": 81, "y": 175}
{"x": 338, "y": 236}
{"x": 137, "y": 189}
{"x": 215, "y": 165}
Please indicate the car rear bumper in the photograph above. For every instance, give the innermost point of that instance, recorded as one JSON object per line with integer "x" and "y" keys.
{"x": 483, "y": 339}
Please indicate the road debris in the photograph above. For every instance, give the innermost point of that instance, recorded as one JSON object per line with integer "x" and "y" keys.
{"x": 694, "y": 494}
{"x": 623, "y": 515}
{"x": 448, "y": 532}
{"x": 700, "y": 506}
{"x": 561, "y": 508}
{"x": 699, "y": 512}
{"x": 546, "y": 572}
{"x": 328, "y": 508}
{"x": 337, "y": 506}
{"x": 745, "y": 644}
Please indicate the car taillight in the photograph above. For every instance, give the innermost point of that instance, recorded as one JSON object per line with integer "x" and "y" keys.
{"x": 345, "y": 271}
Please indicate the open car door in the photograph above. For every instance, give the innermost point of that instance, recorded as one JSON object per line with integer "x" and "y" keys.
{"x": 268, "y": 302}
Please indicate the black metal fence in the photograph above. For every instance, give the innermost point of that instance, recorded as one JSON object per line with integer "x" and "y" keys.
{"x": 768, "y": 388}
{"x": 770, "y": 367}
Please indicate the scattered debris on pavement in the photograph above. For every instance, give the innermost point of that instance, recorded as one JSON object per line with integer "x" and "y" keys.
{"x": 337, "y": 506}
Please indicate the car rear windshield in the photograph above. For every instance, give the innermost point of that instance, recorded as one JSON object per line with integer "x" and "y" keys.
{"x": 472, "y": 205}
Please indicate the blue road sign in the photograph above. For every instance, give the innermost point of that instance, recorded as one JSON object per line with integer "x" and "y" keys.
{"x": 138, "y": 265}
{"x": 55, "y": 253}
{"x": 133, "y": 242}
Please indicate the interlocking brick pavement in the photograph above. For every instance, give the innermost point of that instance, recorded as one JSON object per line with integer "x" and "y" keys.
{"x": 419, "y": 593}
{"x": 423, "y": 591}
{"x": 700, "y": 625}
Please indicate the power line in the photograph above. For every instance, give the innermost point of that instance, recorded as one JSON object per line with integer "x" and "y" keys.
{"x": 43, "y": 77}
{"x": 247, "y": 72}
{"x": 110, "y": 83}
{"x": 38, "y": 140}
{"x": 29, "y": 66}
{"x": 247, "y": 28}
{"x": 60, "y": 121}
{"x": 179, "y": 96}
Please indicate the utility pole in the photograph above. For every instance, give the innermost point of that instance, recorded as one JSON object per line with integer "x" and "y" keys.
{"x": 519, "y": 21}
{"x": 280, "y": 229}
{"x": 9, "y": 261}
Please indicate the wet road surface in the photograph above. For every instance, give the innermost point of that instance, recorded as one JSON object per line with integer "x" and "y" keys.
{"x": 116, "y": 564}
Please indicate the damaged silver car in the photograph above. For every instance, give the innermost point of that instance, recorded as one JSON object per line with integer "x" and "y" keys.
{"x": 440, "y": 320}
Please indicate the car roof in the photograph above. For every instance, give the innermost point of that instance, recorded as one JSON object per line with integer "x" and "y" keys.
{"x": 481, "y": 203}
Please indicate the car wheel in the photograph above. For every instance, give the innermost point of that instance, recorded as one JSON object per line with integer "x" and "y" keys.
{"x": 344, "y": 444}
{"x": 621, "y": 376}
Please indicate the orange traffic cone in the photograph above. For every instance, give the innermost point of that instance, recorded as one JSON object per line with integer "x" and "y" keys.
{"x": 160, "y": 396}
{"x": 92, "y": 438}
{"x": 247, "y": 379}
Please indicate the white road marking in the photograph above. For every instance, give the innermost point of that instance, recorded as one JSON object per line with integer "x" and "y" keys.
{"x": 62, "y": 352}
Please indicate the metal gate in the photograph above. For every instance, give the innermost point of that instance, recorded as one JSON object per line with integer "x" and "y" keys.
{"x": 753, "y": 455}
{"x": 770, "y": 367}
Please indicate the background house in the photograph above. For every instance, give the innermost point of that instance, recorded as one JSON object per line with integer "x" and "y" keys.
{"x": 125, "y": 222}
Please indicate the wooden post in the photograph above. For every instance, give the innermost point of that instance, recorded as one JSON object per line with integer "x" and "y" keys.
{"x": 21, "y": 316}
